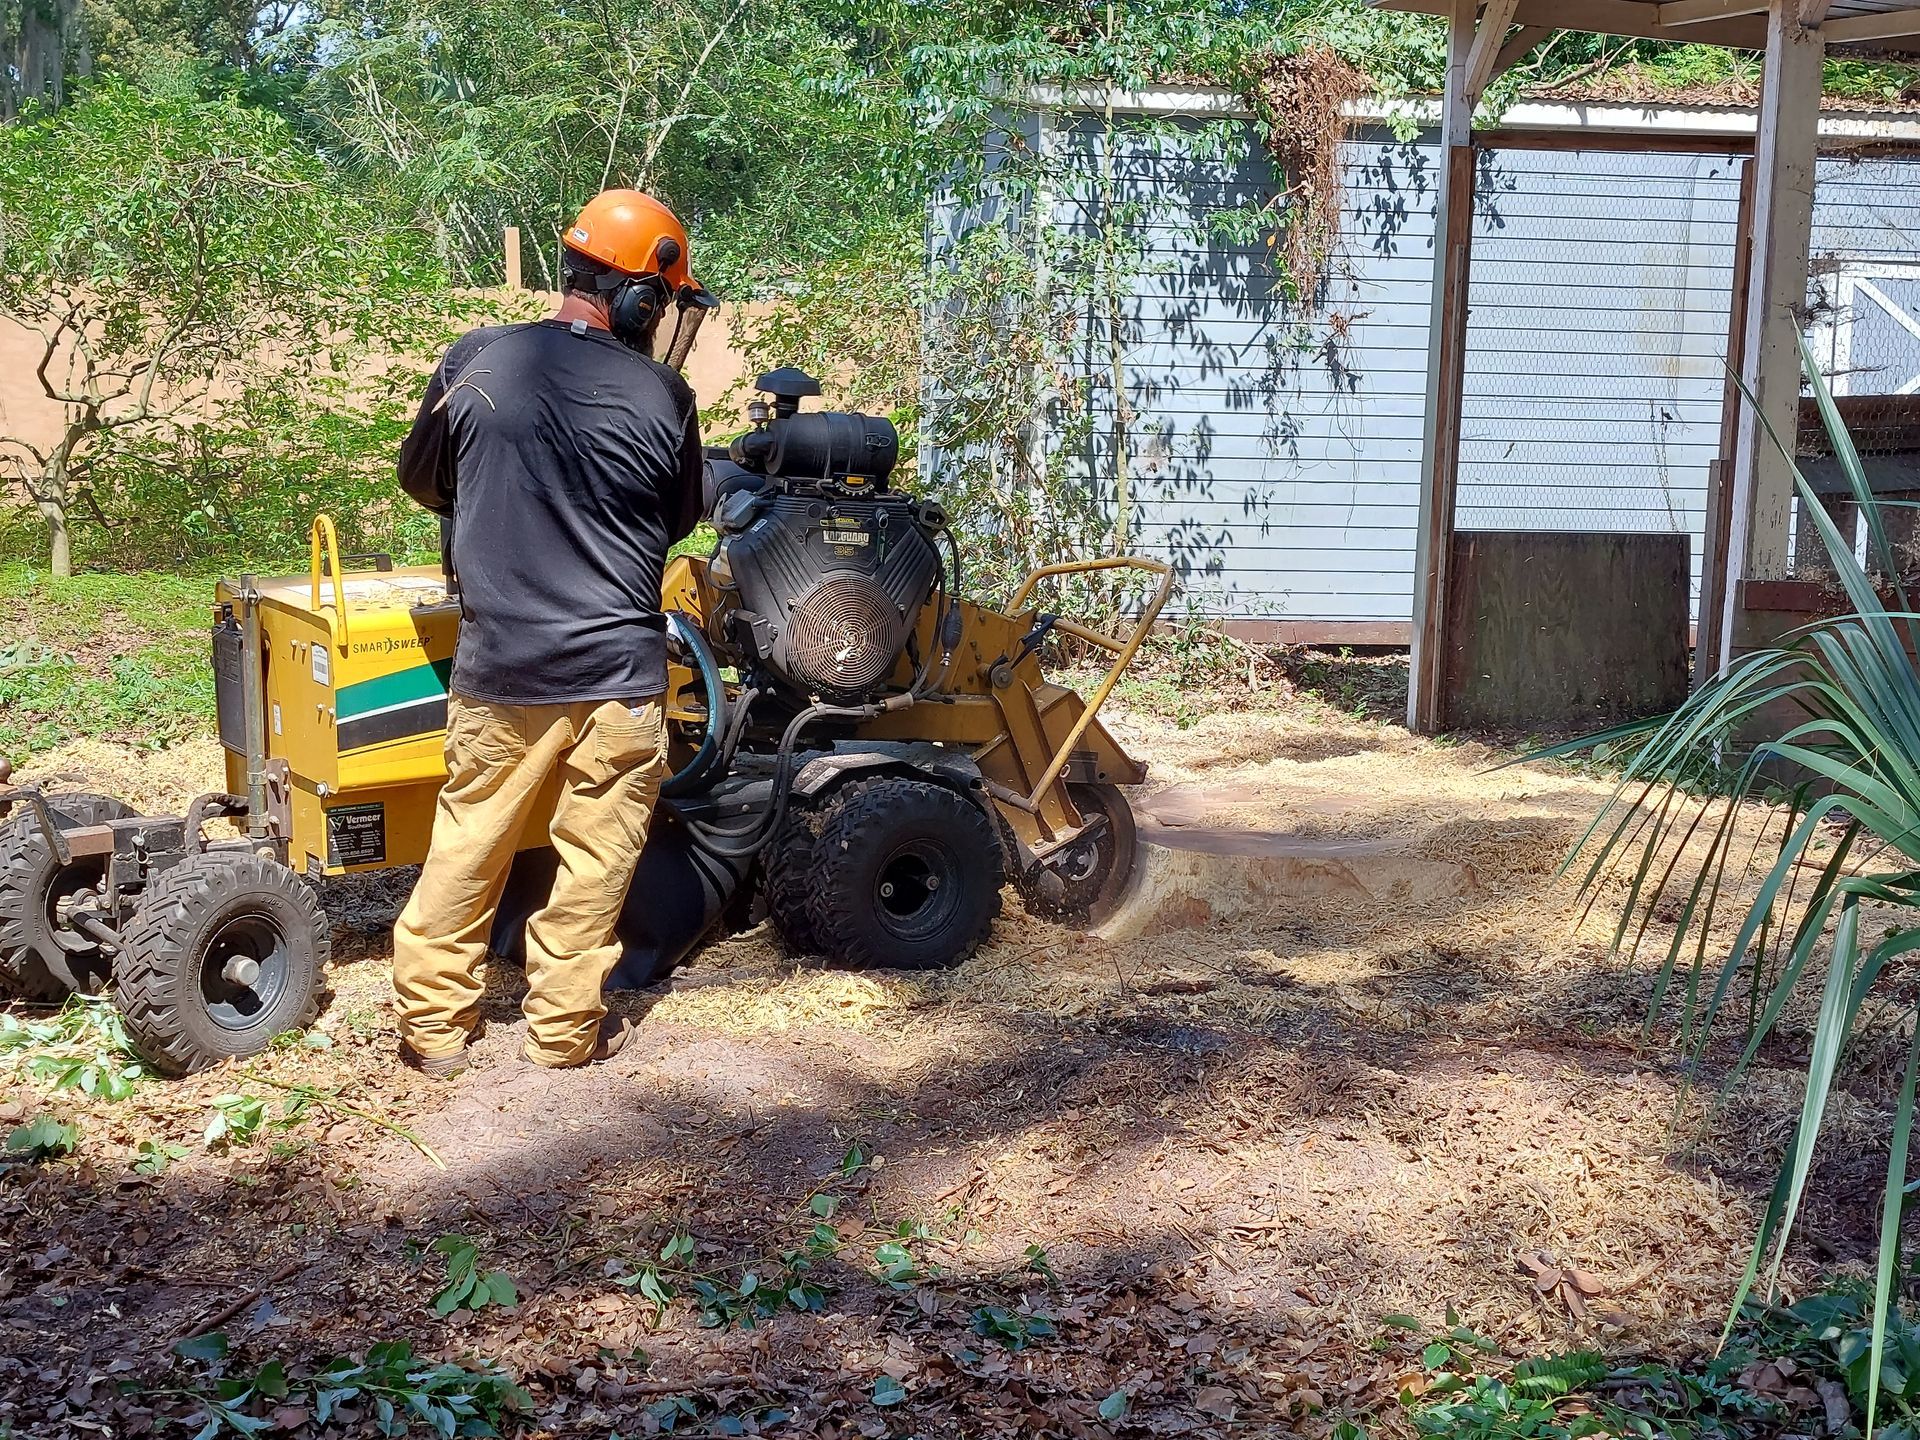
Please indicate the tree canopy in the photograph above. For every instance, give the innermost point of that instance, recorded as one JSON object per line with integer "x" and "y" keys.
{"x": 182, "y": 260}
{"x": 205, "y": 183}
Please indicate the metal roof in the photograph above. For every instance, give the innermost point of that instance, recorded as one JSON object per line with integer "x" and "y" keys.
{"x": 1853, "y": 27}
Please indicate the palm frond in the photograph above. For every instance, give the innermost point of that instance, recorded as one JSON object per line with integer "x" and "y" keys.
{"x": 1831, "y": 710}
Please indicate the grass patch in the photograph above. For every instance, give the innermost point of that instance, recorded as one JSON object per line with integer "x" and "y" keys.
{"x": 122, "y": 657}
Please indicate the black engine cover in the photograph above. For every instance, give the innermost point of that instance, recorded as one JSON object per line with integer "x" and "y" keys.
{"x": 839, "y": 583}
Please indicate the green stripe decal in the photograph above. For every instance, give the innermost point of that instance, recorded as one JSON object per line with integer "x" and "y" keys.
{"x": 402, "y": 687}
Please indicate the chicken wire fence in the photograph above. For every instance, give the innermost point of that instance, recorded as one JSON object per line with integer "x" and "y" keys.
{"x": 1863, "y": 326}
{"x": 1599, "y": 292}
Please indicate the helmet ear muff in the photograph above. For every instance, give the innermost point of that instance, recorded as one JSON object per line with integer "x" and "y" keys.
{"x": 633, "y": 309}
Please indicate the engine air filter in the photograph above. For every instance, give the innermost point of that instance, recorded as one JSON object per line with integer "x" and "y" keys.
{"x": 843, "y": 636}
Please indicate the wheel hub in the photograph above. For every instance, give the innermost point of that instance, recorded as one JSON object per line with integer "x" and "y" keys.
{"x": 909, "y": 889}
{"x": 244, "y": 971}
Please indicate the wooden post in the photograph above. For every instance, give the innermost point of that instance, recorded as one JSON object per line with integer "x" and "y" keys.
{"x": 513, "y": 257}
{"x": 1446, "y": 361}
{"x": 1709, "y": 654}
{"x": 1784, "y": 152}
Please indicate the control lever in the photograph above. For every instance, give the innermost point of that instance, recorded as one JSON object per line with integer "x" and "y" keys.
{"x": 1000, "y": 673}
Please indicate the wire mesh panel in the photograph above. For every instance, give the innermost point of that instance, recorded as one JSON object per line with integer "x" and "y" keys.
{"x": 1599, "y": 295}
{"x": 1863, "y": 325}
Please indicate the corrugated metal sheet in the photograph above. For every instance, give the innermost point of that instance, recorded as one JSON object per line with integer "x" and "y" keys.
{"x": 1277, "y": 455}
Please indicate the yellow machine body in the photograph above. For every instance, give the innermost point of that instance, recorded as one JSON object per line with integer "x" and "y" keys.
{"x": 355, "y": 691}
{"x": 354, "y": 674}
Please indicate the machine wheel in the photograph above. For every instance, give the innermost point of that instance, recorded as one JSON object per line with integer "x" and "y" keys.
{"x": 905, "y": 874}
{"x": 789, "y": 880}
{"x": 1094, "y": 873}
{"x": 33, "y": 964}
{"x": 225, "y": 952}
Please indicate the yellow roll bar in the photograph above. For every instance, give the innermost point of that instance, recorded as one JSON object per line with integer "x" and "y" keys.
{"x": 1122, "y": 651}
{"x": 324, "y": 538}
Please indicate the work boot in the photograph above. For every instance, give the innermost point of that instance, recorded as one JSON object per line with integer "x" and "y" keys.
{"x": 443, "y": 1067}
{"x": 435, "y": 1067}
{"x": 615, "y": 1032}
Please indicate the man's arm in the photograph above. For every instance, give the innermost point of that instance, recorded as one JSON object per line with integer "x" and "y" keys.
{"x": 426, "y": 455}
{"x": 691, "y": 500}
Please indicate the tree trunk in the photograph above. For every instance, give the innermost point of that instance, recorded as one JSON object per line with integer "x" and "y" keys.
{"x": 59, "y": 540}
{"x": 50, "y": 499}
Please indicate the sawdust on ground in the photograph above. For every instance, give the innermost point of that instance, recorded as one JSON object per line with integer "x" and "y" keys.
{"x": 1238, "y": 1146}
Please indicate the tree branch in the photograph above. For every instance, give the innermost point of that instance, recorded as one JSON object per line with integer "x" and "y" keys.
{"x": 686, "y": 91}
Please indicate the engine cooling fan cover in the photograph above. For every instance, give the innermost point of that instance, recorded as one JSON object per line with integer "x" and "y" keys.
{"x": 843, "y": 636}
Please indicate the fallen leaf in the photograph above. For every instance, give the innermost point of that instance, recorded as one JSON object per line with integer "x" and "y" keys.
{"x": 1833, "y": 1395}
{"x": 1217, "y": 1401}
{"x": 1585, "y": 1283}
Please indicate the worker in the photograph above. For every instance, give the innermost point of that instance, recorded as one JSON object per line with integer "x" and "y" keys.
{"x": 569, "y": 460}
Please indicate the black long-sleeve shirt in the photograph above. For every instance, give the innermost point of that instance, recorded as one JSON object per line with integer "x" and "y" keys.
{"x": 569, "y": 464}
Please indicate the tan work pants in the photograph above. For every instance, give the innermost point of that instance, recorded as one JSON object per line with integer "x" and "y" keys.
{"x": 611, "y": 760}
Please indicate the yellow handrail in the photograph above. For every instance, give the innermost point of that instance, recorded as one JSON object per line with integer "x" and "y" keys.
{"x": 1123, "y": 651}
{"x": 325, "y": 538}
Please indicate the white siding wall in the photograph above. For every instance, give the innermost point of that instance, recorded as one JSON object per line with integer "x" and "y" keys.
{"x": 1276, "y": 455}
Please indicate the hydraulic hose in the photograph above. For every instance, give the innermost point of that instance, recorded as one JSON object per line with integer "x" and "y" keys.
{"x": 747, "y": 840}
{"x": 709, "y": 762}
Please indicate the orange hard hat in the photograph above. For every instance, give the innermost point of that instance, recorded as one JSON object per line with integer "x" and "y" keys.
{"x": 634, "y": 233}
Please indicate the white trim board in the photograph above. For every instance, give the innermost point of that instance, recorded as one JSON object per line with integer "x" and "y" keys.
{"x": 1207, "y": 101}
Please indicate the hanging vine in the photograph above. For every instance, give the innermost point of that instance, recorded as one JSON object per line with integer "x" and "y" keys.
{"x": 1300, "y": 104}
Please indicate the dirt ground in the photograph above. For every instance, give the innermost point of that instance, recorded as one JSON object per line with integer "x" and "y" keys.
{"x": 1237, "y": 1146}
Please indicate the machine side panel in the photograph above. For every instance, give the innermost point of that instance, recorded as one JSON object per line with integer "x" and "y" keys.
{"x": 391, "y": 694}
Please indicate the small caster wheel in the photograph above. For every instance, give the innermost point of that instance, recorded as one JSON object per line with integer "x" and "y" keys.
{"x": 39, "y": 961}
{"x": 226, "y": 951}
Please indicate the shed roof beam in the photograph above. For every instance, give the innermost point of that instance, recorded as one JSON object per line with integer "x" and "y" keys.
{"x": 1692, "y": 12}
{"x": 1630, "y": 17}
{"x": 1489, "y": 39}
{"x": 1887, "y": 25}
{"x": 1617, "y": 17}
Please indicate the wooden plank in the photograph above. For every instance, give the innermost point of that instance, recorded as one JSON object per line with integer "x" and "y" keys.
{"x": 1888, "y": 25}
{"x": 1623, "y": 142}
{"x": 1762, "y": 479}
{"x": 1635, "y": 18}
{"x": 1446, "y": 356}
{"x": 1613, "y": 17}
{"x": 1524, "y": 39}
{"x": 1710, "y": 654}
{"x": 1692, "y": 12}
{"x": 1565, "y": 631}
{"x": 1440, "y": 469}
{"x": 1488, "y": 41}
{"x": 512, "y": 239}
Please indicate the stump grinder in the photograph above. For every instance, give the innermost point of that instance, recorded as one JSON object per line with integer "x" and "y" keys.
{"x": 862, "y": 757}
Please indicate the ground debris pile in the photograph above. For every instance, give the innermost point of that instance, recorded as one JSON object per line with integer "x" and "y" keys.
{"x": 1236, "y": 1179}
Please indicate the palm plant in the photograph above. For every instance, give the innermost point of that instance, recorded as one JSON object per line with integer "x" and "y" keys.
{"x": 1839, "y": 706}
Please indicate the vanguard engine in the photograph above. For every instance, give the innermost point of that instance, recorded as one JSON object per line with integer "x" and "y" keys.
{"x": 830, "y": 567}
